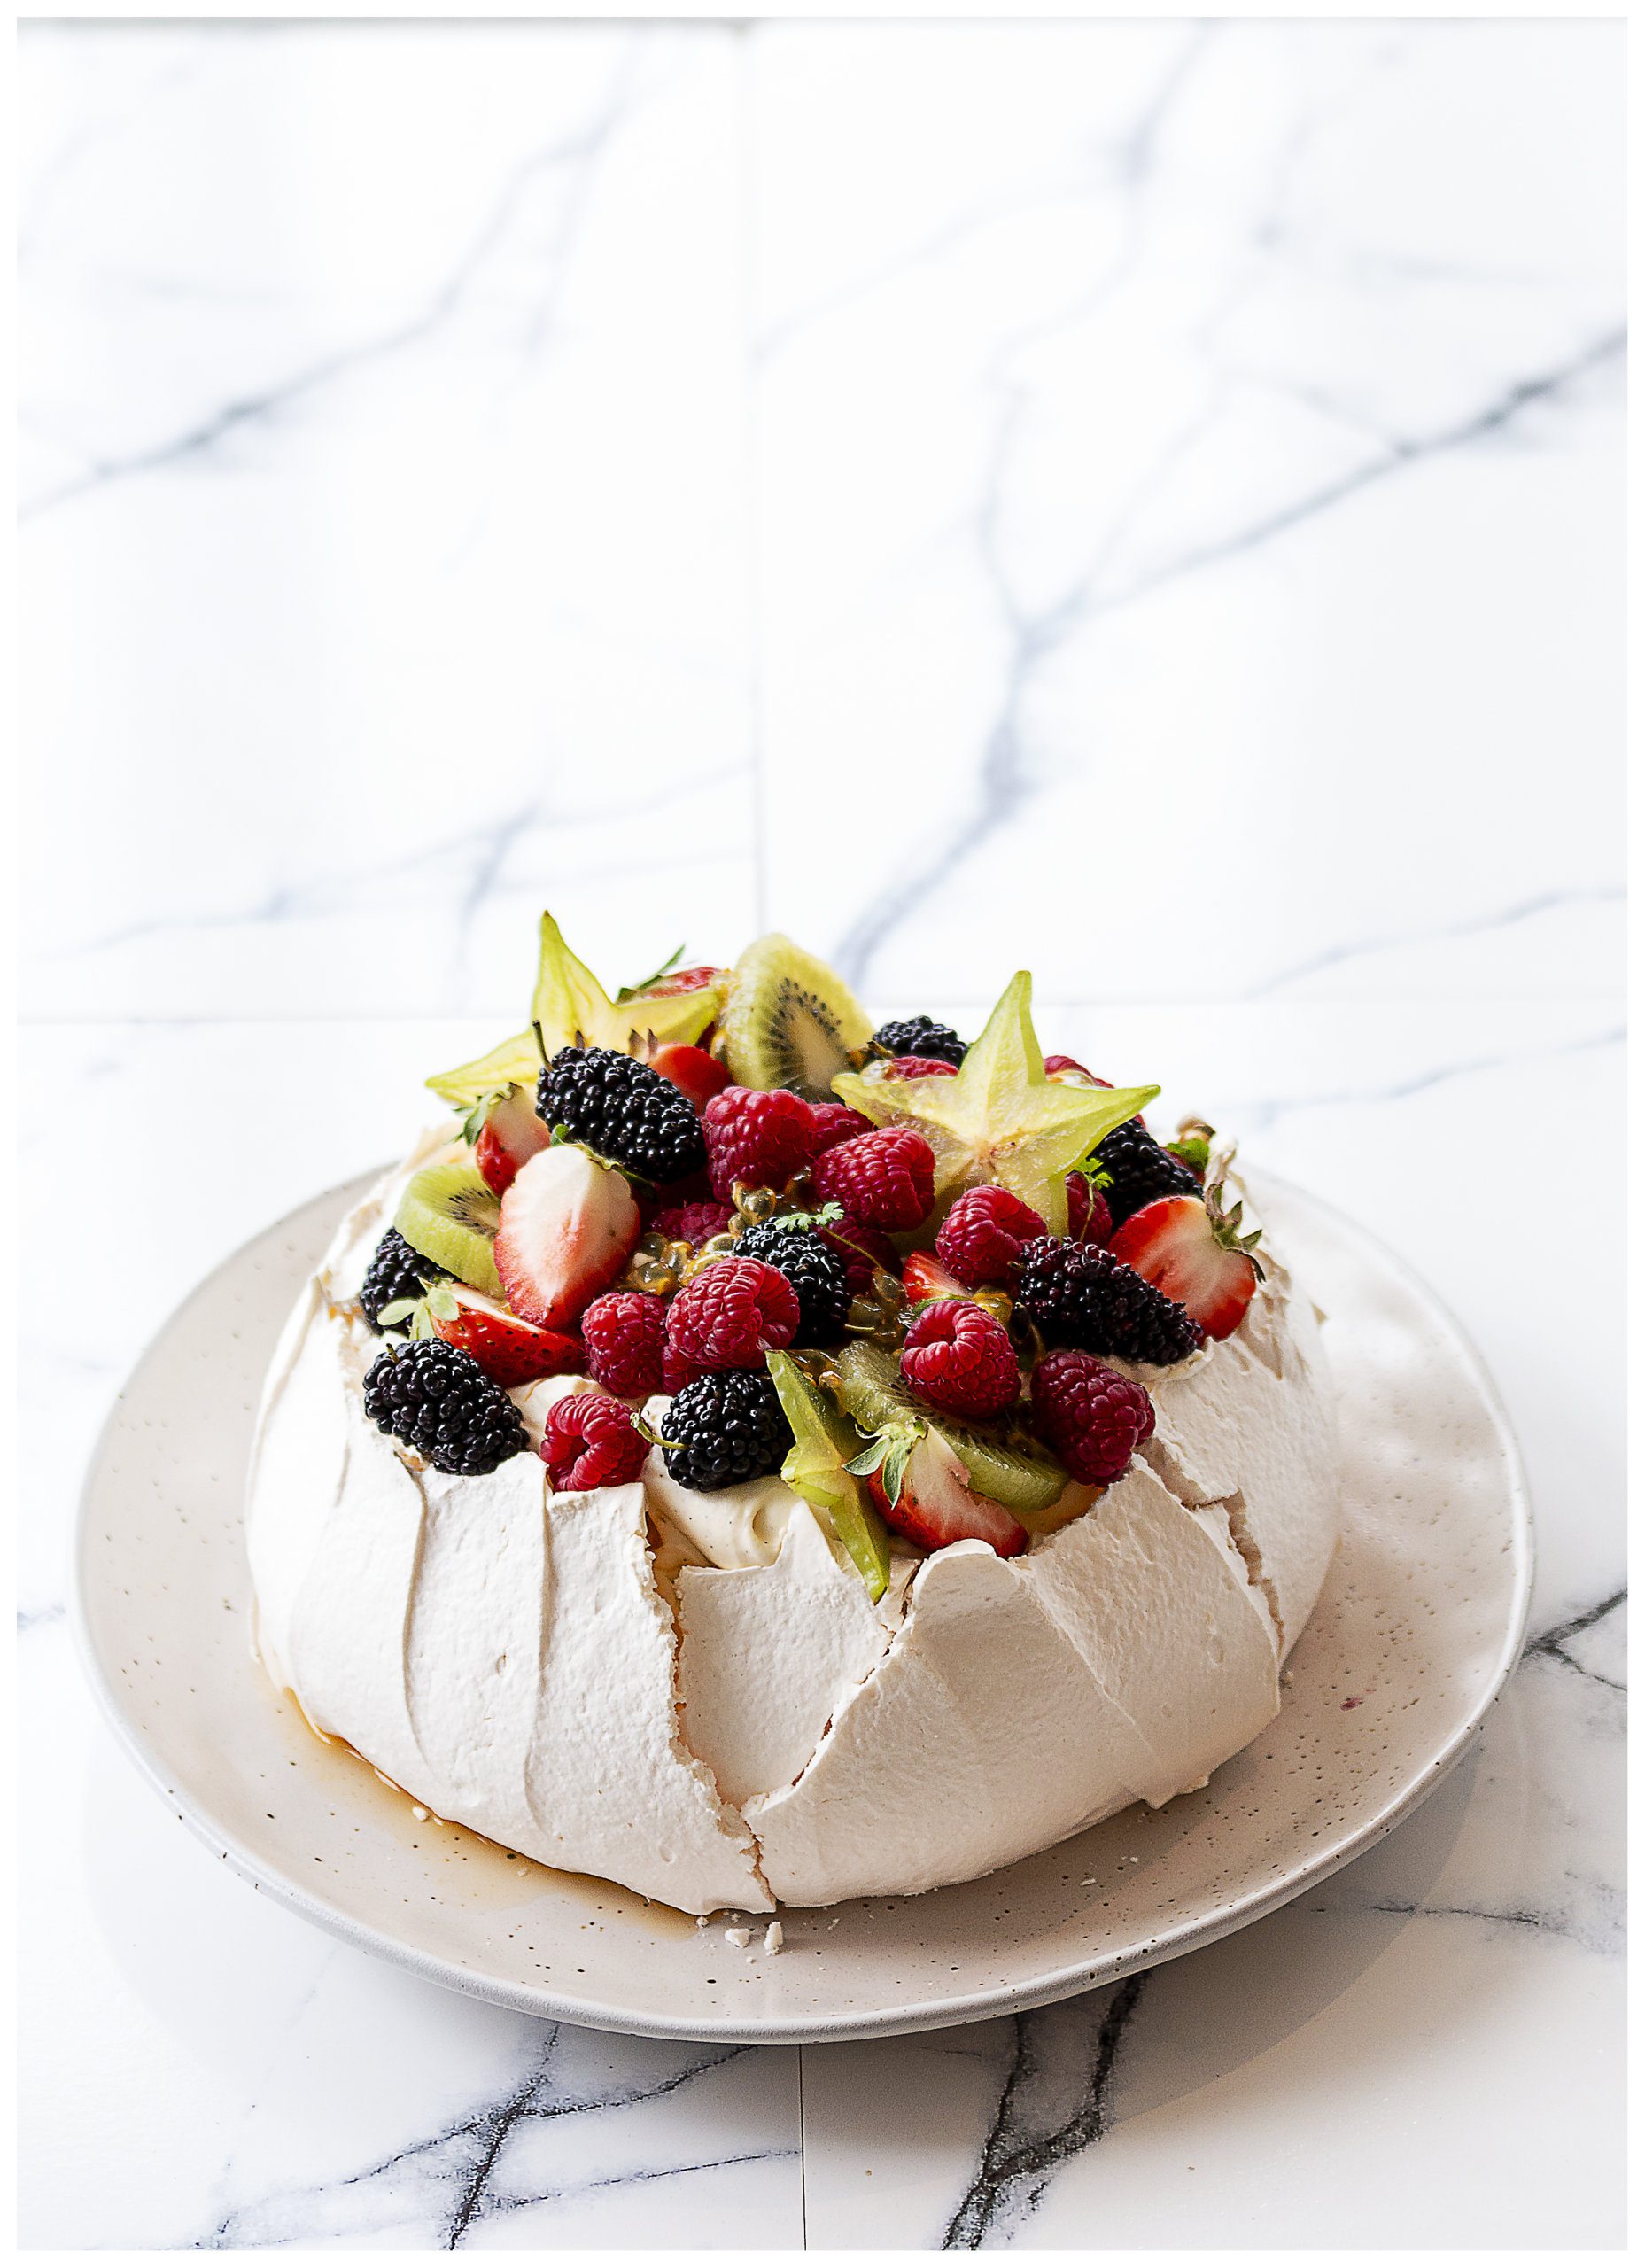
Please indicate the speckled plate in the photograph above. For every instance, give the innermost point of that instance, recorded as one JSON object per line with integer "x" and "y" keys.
{"x": 1421, "y": 1621}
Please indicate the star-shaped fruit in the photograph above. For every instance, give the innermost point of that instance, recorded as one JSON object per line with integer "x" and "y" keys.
{"x": 571, "y": 1004}
{"x": 1001, "y": 1120}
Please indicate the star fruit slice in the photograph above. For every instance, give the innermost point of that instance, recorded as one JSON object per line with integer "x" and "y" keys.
{"x": 815, "y": 1468}
{"x": 1001, "y": 1120}
{"x": 571, "y": 1004}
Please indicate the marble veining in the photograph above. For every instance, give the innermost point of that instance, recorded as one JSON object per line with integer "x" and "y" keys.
{"x": 1139, "y": 499}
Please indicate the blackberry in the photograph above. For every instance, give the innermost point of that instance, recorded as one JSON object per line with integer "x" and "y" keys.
{"x": 624, "y": 1110}
{"x": 1081, "y": 1295}
{"x": 398, "y": 1271}
{"x": 439, "y": 1401}
{"x": 727, "y": 1426}
{"x": 1139, "y": 1171}
{"x": 921, "y": 1036}
{"x": 816, "y": 1271}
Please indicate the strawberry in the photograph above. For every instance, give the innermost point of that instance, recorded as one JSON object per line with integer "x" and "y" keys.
{"x": 512, "y": 1352}
{"x": 925, "y": 1277}
{"x": 1194, "y": 1252}
{"x": 918, "y": 1066}
{"x": 678, "y": 979}
{"x": 1064, "y": 1067}
{"x": 698, "y": 1074}
{"x": 567, "y": 1225}
{"x": 934, "y": 1506}
{"x": 512, "y": 1133}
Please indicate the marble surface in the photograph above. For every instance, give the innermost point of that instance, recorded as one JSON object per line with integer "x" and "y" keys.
{"x": 1140, "y": 500}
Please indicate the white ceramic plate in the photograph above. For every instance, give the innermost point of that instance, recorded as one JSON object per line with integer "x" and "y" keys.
{"x": 1420, "y": 1623}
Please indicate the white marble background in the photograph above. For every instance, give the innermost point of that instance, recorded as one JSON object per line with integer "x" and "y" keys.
{"x": 1139, "y": 500}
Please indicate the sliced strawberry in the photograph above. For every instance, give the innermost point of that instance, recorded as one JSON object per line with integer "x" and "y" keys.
{"x": 512, "y": 1352}
{"x": 680, "y": 980}
{"x": 1072, "y": 1073}
{"x": 698, "y": 1074}
{"x": 512, "y": 1133}
{"x": 934, "y": 1505}
{"x": 925, "y": 1277}
{"x": 568, "y": 1225}
{"x": 1195, "y": 1254}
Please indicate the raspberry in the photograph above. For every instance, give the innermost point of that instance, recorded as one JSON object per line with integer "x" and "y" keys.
{"x": 731, "y": 1316}
{"x": 624, "y": 1333}
{"x": 1090, "y": 1221}
{"x": 885, "y": 1179}
{"x": 816, "y": 1271}
{"x": 923, "y": 1035}
{"x": 1091, "y": 1416}
{"x": 863, "y": 1250}
{"x": 958, "y": 1357}
{"x": 693, "y": 1223}
{"x": 834, "y": 1122}
{"x": 1139, "y": 1170}
{"x": 757, "y": 1135}
{"x": 589, "y": 1441}
{"x": 1083, "y": 1296}
{"x": 982, "y": 1238}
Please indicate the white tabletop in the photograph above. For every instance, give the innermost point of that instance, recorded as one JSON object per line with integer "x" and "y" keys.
{"x": 1135, "y": 501}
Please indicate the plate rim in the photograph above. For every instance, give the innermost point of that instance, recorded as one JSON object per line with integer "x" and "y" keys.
{"x": 901, "y": 2019}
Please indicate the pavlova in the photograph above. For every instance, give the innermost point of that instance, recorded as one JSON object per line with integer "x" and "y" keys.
{"x": 757, "y": 1457}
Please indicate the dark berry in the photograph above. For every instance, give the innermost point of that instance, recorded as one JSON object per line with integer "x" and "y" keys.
{"x": 816, "y": 1271}
{"x": 1079, "y": 1295}
{"x": 726, "y": 1427}
{"x": 921, "y": 1036}
{"x": 1139, "y": 1170}
{"x": 398, "y": 1271}
{"x": 624, "y": 1110}
{"x": 439, "y": 1401}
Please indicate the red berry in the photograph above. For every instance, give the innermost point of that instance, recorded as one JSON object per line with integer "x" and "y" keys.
{"x": 512, "y": 1352}
{"x": 757, "y": 1135}
{"x": 1091, "y": 1417}
{"x": 918, "y": 1066}
{"x": 693, "y": 1223}
{"x": 960, "y": 1358}
{"x": 681, "y": 980}
{"x": 676, "y": 1370}
{"x": 566, "y": 1225}
{"x": 935, "y": 1505}
{"x": 982, "y": 1238}
{"x": 698, "y": 1074}
{"x": 925, "y": 1277}
{"x": 589, "y": 1441}
{"x": 1061, "y": 1067}
{"x": 863, "y": 1250}
{"x": 624, "y": 1333}
{"x": 834, "y": 1122}
{"x": 731, "y": 1316}
{"x": 1090, "y": 1221}
{"x": 1196, "y": 1258}
{"x": 885, "y": 1179}
{"x": 512, "y": 1133}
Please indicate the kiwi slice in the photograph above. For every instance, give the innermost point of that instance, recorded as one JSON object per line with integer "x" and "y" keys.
{"x": 1002, "y": 1459}
{"x": 788, "y": 1021}
{"x": 816, "y": 1469}
{"x": 447, "y": 1213}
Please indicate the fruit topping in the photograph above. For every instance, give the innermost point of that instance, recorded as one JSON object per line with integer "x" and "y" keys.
{"x": 590, "y": 1441}
{"x": 929, "y": 1499}
{"x": 1063, "y": 1067}
{"x": 814, "y": 1269}
{"x": 1002, "y": 1120}
{"x": 1138, "y": 1171}
{"x": 625, "y": 1333}
{"x": 1192, "y": 1146}
{"x": 512, "y": 1133}
{"x": 956, "y": 1357}
{"x": 664, "y": 982}
{"x": 864, "y": 1250}
{"x": 912, "y": 1067}
{"x": 817, "y": 1468}
{"x": 438, "y": 1401}
{"x": 999, "y": 1457}
{"x": 724, "y": 1428}
{"x": 982, "y": 1239}
{"x": 731, "y": 1316}
{"x": 512, "y": 1352}
{"x": 757, "y": 1138}
{"x": 447, "y": 1213}
{"x": 921, "y": 1036}
{"x": 624, "y": 1110}
{"x": 832, "y": 1122}
{"x": 788, "y": 1021}
{"x": 925, "y": 1277}
{"x": 569, "y": 1224}
{"x": 1092, "y": 1416}
{"x": 396, "y": 1273}
{"x": 1081, "y": 1295}
{"x": 1195, "y": 1253}
{"x": 884, "y": 1179}
{"x": 1090, "y": 1221}
{"x": 693, "y": 1223}
{"x": 698, "y": 1074}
